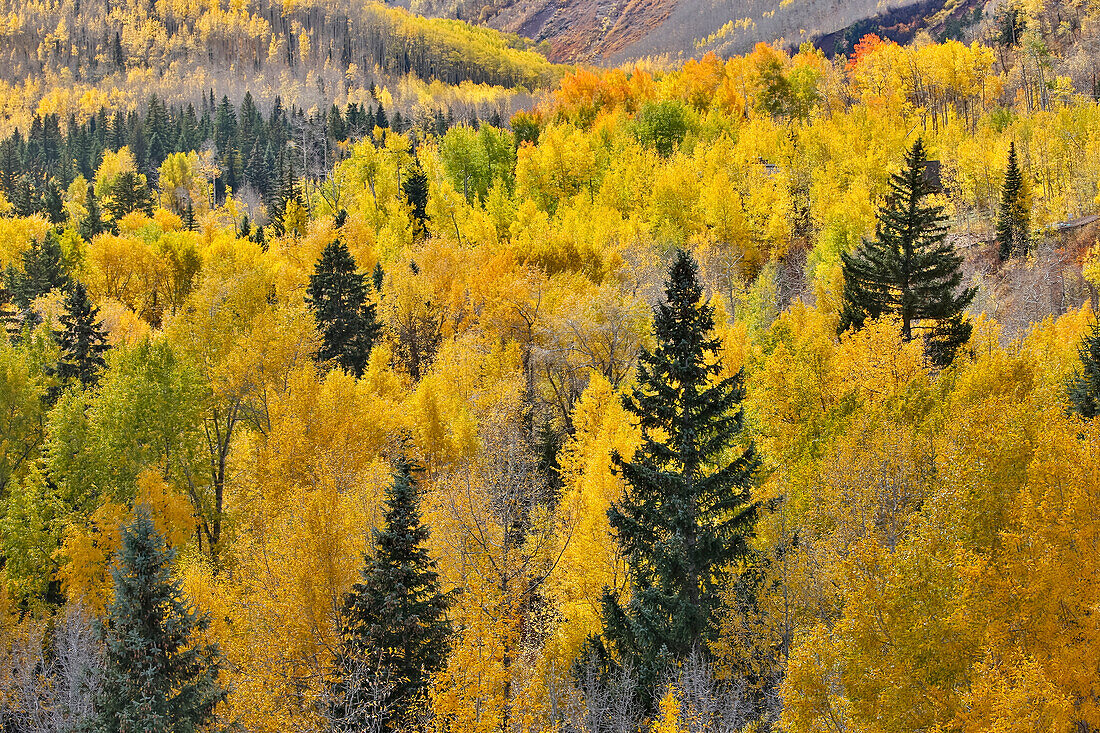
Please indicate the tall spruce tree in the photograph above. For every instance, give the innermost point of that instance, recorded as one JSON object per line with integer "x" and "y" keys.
{"x": 1084, "y": 385}
{"x": 394, "y": 630}
{"x": 909, "y": 269}
{"x": 1014, "y": 215}
{"x": 129, "y": 193}
{"x": 338, "y": 295}
{"x": 82, "y": 341}
{"x": 44, "y": 270}
{"x": 92, "y": 223}
{"x": 687, "y": 512}
{"x": 159, "y": 676}
{"x": 415, "y": 188}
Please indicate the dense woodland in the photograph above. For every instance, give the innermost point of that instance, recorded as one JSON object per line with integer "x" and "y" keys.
{"x": 759, "y": 393}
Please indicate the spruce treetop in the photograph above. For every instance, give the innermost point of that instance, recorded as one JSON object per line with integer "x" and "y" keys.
{"x": 909, "y": 269}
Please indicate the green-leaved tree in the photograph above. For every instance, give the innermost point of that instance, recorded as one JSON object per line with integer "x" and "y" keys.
{"x": 82, "y": 342}
{"x": 1084, "y": 385}
{"x": 347, "y": 321}
{"x": 1014, "y": 215}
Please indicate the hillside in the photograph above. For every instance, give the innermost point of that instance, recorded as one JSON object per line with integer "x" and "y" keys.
{"x": 757, "y": 392}
{"x": 73, "y": 58}
{"x": 610, "y": 32}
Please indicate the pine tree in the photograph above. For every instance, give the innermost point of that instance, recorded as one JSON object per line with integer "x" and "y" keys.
{"x": 43, "y": 270}
{"x": 415, "y": 188}
{"x": 92, "y": 223}
{"x": 52, "y": 205}
{"x": 687, "y": 512}
{"x": 82, "y": 341}
{"x": 1084, "y": 385}
{"x": 1013, "y": 217}
{"x": 394, "y": 631}
{"x": 338, "y": 295}
{"x": 129, "y": 193}
{"x": 378, "y": 277}
{"x": 909, "y": 269}
{"x": 158, "y": 676}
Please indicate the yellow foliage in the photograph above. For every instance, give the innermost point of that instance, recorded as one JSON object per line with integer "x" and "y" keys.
{"x": 668, "y": 715}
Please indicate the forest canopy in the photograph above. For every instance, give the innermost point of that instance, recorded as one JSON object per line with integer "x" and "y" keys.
{"x": 625, "y": 408}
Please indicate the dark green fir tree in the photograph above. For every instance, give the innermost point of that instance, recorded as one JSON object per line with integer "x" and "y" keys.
{"x": 687, "y": 511}
{"x": 52, "y": 204}
{"x": 43, "y": 270}
{"x": 378, "y": 277}
{"x": 1014, "y": 215}
{"x": 394, "y": 629}
{"x": 909, "y": 269}
{"x": 415, "y": 188}
{"x": 347, "y": 321}
{"x": 129, "y": 193}
{"x": 92, "y": 223}
{"x": 1084, "y": 385}
{"x": 159, "y": 676}
{"x": 82, "y": 342}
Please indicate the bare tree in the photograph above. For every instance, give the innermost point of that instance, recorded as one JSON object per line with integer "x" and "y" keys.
{"x": 357, "y": 698}
{"x": 590, "y": 699}
{"x": 54, "y": 677}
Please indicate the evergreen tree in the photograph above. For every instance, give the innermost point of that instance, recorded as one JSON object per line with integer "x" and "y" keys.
{"x": 92, "y": 223}
{"x": 338, "y": 295}
{"x": 394, "y": 631}
{"x": 9, "y": 318}
{"x": 687, "y": 513}
{"x": 52, "y": 205}
{"x": 415, "y": 188}
{"x": 158, "y": 676}
{"x": 43, "y": 270}
{"x": 82, "y": 341}
{"x": 909, "y": 269}
{"x": 1084, "y": 385}
{"x": 130, "y": 192}
{"x": 1014, "y": 216}
{"x": 377, "y": 277}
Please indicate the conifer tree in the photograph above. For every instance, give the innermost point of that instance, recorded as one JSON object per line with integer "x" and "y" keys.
{"x": 82, "y": 342}
{"x": 1013, "y": 217}
{"x": 1084, "y": 385}
{"x": 378, "y": 277}
{"x": 92, "y": 223}
{"x": 415, "y": 188}
{"x": 129, "y": 193}
{"x": 338, "y": 295}
{"x": 43, "y": 270}
{"x": 158, "y": 676}
{"x": 394, "y": 630}
{"x": 53, "y": 207}
{"x": 687, "y": 512}
{"x": 909, "y": 269}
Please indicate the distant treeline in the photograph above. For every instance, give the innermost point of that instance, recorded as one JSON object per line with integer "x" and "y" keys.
{"x": 265, "y": 155}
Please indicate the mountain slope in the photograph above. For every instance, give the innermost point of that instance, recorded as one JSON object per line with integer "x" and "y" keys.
{"x": 614, "y": 31}
{"x": 75, "y": 56}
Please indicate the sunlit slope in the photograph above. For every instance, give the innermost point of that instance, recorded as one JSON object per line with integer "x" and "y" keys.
{"x": 619, "y": 30}
{"x": 71, "y": 56}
